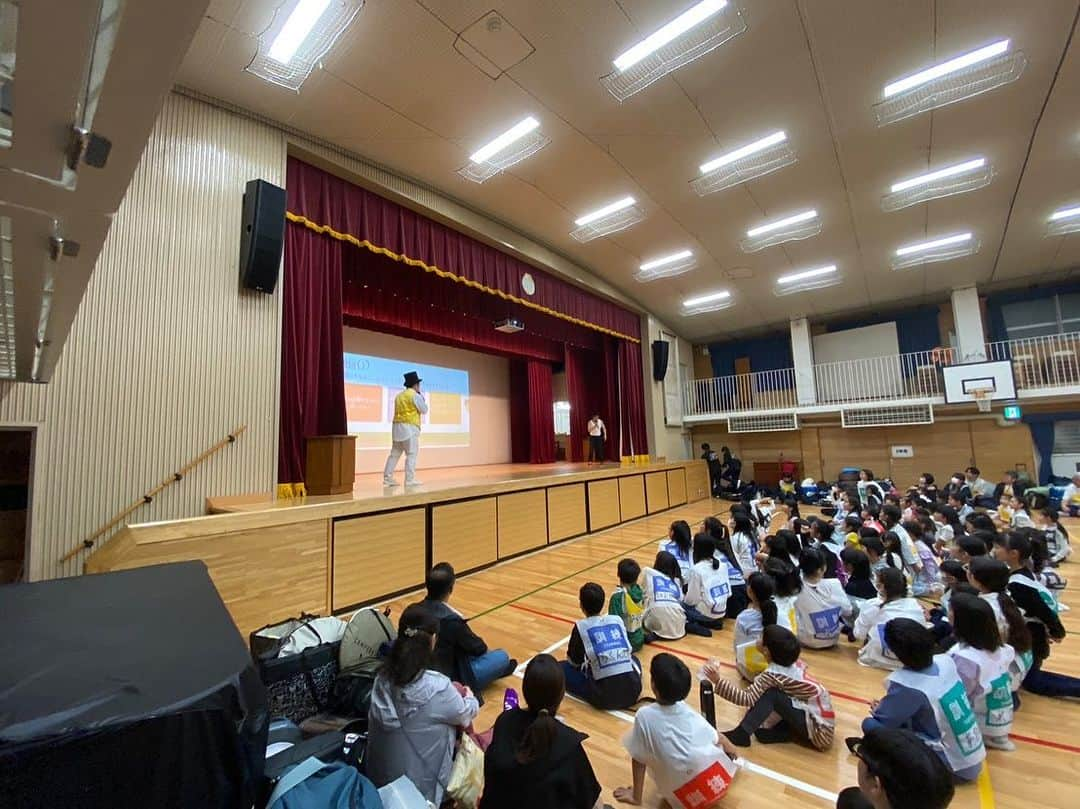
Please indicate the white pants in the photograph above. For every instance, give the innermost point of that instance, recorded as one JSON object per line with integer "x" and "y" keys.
{"x": 410, "y": 448}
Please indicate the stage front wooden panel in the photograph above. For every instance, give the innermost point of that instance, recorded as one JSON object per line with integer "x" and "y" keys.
{"x": 566, "y": 511}
{"x": 656, "y": 491}
{"x": 632, "y": 497}
{"x": 377, "y": 554}
{"x": 263, "y": 575}
{"x": 522, "y": 522}
{"x": 697, "y": 481}
{"x": 603, "y": 503}
{"x": 465, "y": 534}
{"x": 676, "y": 487}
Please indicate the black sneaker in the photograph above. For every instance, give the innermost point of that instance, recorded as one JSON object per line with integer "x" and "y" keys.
{"x": 511, "y": 667}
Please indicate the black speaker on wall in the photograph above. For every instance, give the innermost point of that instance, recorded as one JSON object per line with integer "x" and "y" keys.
{"x": 262, "y": 235}
{"x": 659, "y": 359}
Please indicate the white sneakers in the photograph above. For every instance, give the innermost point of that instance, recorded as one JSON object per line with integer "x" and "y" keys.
{"x": 413, "y": 483}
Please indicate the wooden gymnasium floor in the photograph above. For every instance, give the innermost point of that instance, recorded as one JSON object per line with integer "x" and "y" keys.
{"x": 527, "y": 605}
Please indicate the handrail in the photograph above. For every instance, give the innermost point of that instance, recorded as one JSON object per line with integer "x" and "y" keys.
{"x": 147, "y": 498}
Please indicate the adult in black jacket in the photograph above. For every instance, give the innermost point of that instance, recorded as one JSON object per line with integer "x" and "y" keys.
{"x": 1010, "y": 485}
{"x": 460, "y": 653}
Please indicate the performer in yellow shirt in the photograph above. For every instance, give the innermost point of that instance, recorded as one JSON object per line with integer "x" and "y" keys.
{"x": 409, "y": 405}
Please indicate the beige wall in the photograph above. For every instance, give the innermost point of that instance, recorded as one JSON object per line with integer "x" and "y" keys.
{"x": 940, "y": 448}
{"x": 166, "y": 355}
{"x": 489, "y": 401}
{"x": 664, "y": 441}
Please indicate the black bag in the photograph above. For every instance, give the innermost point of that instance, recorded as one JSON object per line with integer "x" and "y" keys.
{"x": 351, "y": 694}
{"x": 297, "y": 686}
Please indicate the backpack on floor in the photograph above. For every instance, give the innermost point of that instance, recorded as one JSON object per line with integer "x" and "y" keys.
{"x": 298, "y": 685}
{"x": 312, "y": 784}
{"x": 365, "y": 642}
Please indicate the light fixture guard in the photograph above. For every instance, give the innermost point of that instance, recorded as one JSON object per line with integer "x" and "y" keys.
{"x": 945, "y": 252}
{"x": 292, "y": 75}
{"x": 758, "y": 164}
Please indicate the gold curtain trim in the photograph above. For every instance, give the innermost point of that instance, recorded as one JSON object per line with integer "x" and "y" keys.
{"x": 414, "y": 262}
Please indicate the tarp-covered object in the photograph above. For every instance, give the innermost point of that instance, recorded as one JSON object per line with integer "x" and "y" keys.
{"x": 127, "y": 689}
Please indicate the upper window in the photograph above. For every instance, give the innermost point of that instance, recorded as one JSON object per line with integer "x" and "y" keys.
{"x": 1055, "y": 314}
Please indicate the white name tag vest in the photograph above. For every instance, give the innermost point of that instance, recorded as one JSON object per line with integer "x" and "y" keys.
{"x": 785, "y": 613}
{"x": 818, "y": 618}
{"x": 607, "y": 648}
{"x": 960, "y": 735}
{"x": 685, "y": 563}
{"x": 1040, "y": 588}
{"x": 734, "y": 572}
{"x": 993, "y": 703}
{"x": 660, "y": 589}
{"x": 715, "y": 589}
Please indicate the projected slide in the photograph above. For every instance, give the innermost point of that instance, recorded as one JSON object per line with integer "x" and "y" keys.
{"x": 371, "y": 383}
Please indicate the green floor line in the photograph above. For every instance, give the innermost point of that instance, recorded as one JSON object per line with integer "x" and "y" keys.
{"x": 540, "y": 589}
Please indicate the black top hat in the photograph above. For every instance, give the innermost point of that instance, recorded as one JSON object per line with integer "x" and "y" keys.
{"x": 412, "y": 378}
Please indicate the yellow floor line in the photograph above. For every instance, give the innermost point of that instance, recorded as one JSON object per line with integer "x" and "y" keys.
{"x": 986, "y": 789}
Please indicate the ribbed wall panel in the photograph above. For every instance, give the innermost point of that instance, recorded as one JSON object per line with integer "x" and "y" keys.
{"x": 166, "y": 354}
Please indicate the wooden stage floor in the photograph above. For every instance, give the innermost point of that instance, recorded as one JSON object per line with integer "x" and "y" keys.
{"x": 528, "y": 604}
{"x": 435, "y": 482}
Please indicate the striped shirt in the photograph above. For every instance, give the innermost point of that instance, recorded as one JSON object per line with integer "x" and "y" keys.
{"x": 806, "y": 694}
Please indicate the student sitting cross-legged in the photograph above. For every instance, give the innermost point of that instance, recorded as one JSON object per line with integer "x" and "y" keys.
{"x": 785, "y": 703}
{"x": 689, "y": 761}
{"x": 928, "y": 697}
{"x": 707, "y": 586}
{"x": 628, "y": 602}
{"x": 822, "y": 604}
{"x": 892, "y": 602}
{"x": 664, "y": 615}
{"x": 600, "y": 667}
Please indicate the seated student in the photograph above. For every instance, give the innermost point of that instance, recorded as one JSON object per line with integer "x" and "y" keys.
{"x": 680, "y": 545}
{"x": 1020, "y": 518}
{"x": 759, "y": 613}
{"x": 982, "y": 490}
{"x": 535, "y": 761}
{"x": 927, "y": 488}
{"x": 855, "y": 539}
{"x": 991, "y": 578}
{"x": 926, "y": 580}
{"x": 958, "y": 486}
{"x": 871, "y": 518}
{"x": 726, "y": 554}
{"x": 983, "y": 662}
{"x": 892, "y": 602}
{"x": 953, "y": 573}
{"x": 800, "y": 704}
{"x": 675, "y": 744}
{"x": 968, "y": 547}
{"x": 1057, "y": 538}
{"x": 460, "y": 654}
{"x": 664, "y": 615}
{"x": 743, "y": 541}
{"x": 821, "y": 540}
{"x": 960, "y": 506}
{"x": 1040, "y": 611}
{"x": 1009, "y": 486}
{"x": 980, "y": 523}
{"x": 897, "y": 771}
{"x": 415, "y": 712}
{"x": 821, "y": 605}
{"x": 893, "y": 520}
{"x": 600, "y": 666}
{"x": 927, "y": 696}
{"x": 879, "y": 557}
{"x": 1070, "y": 500}
{"x": 860, "y": 583}
{"x": 788, "y": 585}
{"x": 708, "y": 588}
{"x": 945, "y": 522}
{"x": 628, "y": 603}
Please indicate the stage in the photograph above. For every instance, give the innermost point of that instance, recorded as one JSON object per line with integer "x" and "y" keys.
{"x": 275, "y": 558}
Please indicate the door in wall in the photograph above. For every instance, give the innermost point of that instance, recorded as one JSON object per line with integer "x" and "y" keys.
{"x": 16, "y": 449}
{"x": 743, "y": 384}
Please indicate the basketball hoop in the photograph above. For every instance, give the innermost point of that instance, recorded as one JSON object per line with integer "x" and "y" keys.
{"x": 982, "y": 399}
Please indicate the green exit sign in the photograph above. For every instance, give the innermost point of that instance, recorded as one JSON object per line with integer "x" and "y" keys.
{"x": 1012, "y": 412}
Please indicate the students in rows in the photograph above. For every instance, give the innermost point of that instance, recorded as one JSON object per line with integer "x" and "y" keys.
{"x": 628, "y": 602}
{"x": 927, "y": 697}
{"x": 600, "y": 667}
{"x": 759, "y": 613}
{"x": 726, "y": 554}
{"x": 822, "y": 606}
{"x": 892, "y": 602}
{"x": 983, "y": 662}
{"x": 708, "y": 588}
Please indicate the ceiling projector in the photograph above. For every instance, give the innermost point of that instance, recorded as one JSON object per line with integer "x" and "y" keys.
{"x": 509, "y": 326}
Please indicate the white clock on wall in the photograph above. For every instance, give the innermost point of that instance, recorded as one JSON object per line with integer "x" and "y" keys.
{"x": 528, "y": 284}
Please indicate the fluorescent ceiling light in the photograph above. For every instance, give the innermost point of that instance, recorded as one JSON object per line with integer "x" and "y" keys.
{"x": 1063, "y": 213}
{"x": 806, "y": 274}
{"x": 944, "y": 241}
{"x": 660, "y": 262}
{"x": 744, "y": 151}
{"x": 661, "y": 37}
{"x": 607, "y": 210}
{"x": 296, "y": 29}
{"x": 940, "y": 174}
{"x": 787, "y": 221}
{"x": 953, "y": 80}
{"x": 712, "y": 297}
{"x": 514, "y": 133}
{"x": 1064, "y": 220}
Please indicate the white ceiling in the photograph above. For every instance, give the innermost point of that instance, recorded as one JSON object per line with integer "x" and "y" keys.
{"x": 395, "y": 89}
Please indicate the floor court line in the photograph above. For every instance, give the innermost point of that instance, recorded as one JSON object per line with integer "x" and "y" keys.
{"x": 986, "y": 788}
{"x": 839, "y": 694}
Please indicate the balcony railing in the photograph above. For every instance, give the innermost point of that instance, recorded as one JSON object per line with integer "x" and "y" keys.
{"x": 896, "y": 378}
{"x": 761, "y": 390}
{"x": 1041, "y": 362}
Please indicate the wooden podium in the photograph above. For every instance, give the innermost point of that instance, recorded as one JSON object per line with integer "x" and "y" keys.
{"x": 331, "y": 464}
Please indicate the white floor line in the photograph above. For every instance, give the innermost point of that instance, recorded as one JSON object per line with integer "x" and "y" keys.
{"x": 742, "y": 762}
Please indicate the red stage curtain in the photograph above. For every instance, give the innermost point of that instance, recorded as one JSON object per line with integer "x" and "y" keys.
{"x": 312, "y": 365}
{"x": 577, "y": 391}
{"x": 632, "y": 396}
{"x": 532, "y": 416}
{"x": 331, "y": 202}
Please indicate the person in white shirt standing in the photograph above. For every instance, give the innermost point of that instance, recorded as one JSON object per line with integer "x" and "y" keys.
{"x": 597, "y": 437}
{"x": 409, "y": 405}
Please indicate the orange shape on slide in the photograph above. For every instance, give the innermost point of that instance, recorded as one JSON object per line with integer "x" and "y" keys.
{"x": 444, "y": 408}
{"x": 363, "y": 402}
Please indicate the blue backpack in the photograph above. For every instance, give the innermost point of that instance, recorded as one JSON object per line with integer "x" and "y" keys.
{"x": 311, "y": 784}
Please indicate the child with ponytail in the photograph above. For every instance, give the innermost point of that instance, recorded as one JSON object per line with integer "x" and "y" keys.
{"x": 759, "y": 613}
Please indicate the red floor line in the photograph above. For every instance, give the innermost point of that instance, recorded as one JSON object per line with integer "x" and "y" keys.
{"x": 693, "y": 656}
